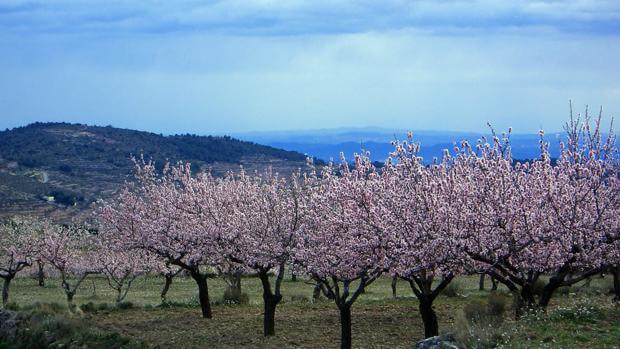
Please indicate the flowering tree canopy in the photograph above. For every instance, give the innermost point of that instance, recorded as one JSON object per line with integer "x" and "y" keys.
{"x": 267, "y": 214}
{"x": 19, "y": 243}
{"x": 70, "y": 250}
{"x": 422, "y": 210}
{"x": 339, "y": 245}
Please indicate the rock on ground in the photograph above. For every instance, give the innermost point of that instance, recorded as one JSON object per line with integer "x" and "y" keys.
{"x": 438, "y": 342}
{"x": 8, "y": 324}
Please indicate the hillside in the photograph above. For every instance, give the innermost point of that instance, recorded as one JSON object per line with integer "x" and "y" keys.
{"x": 60, "y": 169}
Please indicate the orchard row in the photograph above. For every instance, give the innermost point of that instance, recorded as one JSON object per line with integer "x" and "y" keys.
{"x": 476, "y": 211}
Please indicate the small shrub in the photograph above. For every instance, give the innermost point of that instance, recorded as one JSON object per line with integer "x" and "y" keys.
{"x": 44, "y": 330}
{"x": 564, "y": 290}
{"x": 12, "y": 306}
{"x": 452, "y": 290}
{"x": 300, "y": 298}
{"x": 480, "y": 334}
{"x": 475, "y": 312}
{"x": 496, "y": 305}
{"x": 89, "y": 307}
{"x": 176, "y": 304}
{"x": 103, "y": 306}
{"x": 235, "y": 296}
{"x": 125, "y": 305}
{"x": 481, "y": 325}
{"x": 51, "y": 308}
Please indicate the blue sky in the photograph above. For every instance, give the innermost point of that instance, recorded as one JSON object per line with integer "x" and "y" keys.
{"x": 250, "y": 65}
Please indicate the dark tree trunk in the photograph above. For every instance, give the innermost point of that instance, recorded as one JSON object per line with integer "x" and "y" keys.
{"x": 553, "y": 284}
{"x": 293, "y": 276}
{"x": 236, "y": 282}
{"x": 345, "y": 326}
{"x": 269, "y": 321}
{"x": 394, "y": 280}
{"x": 40, "y": 274}
{"x": 481, "y": 283}
{"x": 70, "y": 296}
{"x": 616, "y": 273}
{"x": 203, "y": 293}
{"x": 5, "y": 290}
{"x": 164, "y": 291}
{"x": 316, "y": 292}
{"x": 431, "y": 327}
{"x": 422, "y": 288}
{"x": 327, "y": 294}
{"x": 119, "y": 297}
{"x": 493, "y": 284}
{"x": 270, "y": 301}
{"x": 525, "y": 300}
{"x": 319, "y": 290}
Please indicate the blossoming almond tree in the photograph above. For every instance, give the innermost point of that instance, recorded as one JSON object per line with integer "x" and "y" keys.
{"x": 584, "y": 202}
{"x": 176, "y": 217}
{"x": 169, "y": 272}
{"x": 69, "y": 250}
{"x": 19, "y": 238}
{"x": 267, "y": 214}
{"x": 119, "y": 265}
{"x": 523, "y": 220}
{"x": 422, "y": 208}
{"x": 336, "y": 246}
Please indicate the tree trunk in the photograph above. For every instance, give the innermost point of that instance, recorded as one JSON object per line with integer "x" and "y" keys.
{"x": 164, "y": 291}
{"x": 293, "y": 277}
{"x": 431, "y": 327}
{"x": 270, "y": 301}
{"x": 493, "y": 284}
{"x": 40, "y": 274}
{"x": 394, "y": 280}
{"x": 203, "y": 293}
{"x": 548, "y": 290}
{"x": 92, "y": 282}
{"x": 326, "y": 293}
{"x": 119, "y": 297}
{"x": 5, "y": 291}
{"x": 236, "y": 283}
{"x": 481, "y": 283}
{"x": 269, "y": 321}
{"x": 345, "y": 326}
{"x": 316, "y": 292}
{"x": 616, "y": 272}
{"x": 525, "y": 301}
{"x": 70, "y": 301}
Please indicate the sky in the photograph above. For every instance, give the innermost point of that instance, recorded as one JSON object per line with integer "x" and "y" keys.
{"x": 257, "y": 65}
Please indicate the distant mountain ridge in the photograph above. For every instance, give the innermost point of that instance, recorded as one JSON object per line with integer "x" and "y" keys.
{"x": 328, "y": 144}
{"x": 59, "y": 169}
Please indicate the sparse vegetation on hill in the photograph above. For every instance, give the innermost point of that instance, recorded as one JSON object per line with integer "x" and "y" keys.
{"x": 61, "y": 168}
{"x": 57, "y": 145}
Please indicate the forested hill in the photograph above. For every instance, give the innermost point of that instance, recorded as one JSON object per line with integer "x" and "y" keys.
{"x": 60, "y": 169}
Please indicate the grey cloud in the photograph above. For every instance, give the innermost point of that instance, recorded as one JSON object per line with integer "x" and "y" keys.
{"x": 294, "y": 17}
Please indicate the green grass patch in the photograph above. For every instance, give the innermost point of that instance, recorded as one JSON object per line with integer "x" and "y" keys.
{"x": 579, "y": 318}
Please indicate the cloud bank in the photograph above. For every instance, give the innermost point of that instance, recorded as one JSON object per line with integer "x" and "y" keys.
{"x": 223, "y": 66}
